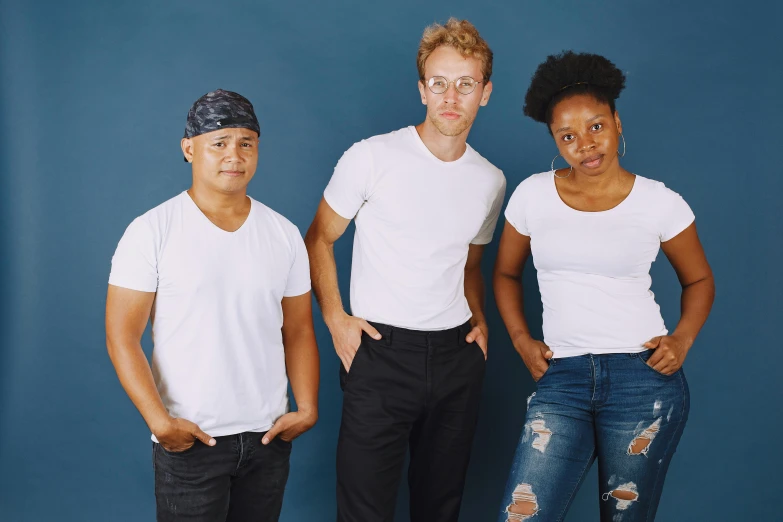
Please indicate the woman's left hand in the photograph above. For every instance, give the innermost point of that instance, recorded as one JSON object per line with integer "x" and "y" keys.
{"x": 670, "y": 352}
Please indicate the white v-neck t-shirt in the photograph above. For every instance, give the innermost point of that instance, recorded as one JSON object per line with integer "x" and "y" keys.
{"x": 218, "y": 356}
{"x": 415, "y": 218}
{"x": 594, "y": 267}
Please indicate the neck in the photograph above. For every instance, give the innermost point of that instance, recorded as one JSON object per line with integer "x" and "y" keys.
{"x": 213, "y": 202}
{"x": 445, "y": 148}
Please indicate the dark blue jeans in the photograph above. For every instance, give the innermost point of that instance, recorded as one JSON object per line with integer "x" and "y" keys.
{"x": 237, "y": 479}
{"x": 611, "y": 407}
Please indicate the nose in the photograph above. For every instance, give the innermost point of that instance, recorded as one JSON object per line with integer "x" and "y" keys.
{"x": 233, "y": 151}
{"x": 586, "y": 143}
{"x": 451, "y": 95}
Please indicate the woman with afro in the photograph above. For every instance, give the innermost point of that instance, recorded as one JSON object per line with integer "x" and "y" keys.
{"x": 609, "y": 376}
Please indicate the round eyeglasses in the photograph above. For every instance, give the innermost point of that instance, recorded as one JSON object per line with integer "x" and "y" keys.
{"x": 464, "y": 85}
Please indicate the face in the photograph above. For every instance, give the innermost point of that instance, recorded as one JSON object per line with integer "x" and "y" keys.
{"x": 586, "y": 133}
{"x": 453, "y": 113}
{"x": 223, "y": 160}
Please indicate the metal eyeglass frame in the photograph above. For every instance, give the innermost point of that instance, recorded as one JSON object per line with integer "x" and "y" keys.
{"x": 455, "y": 82}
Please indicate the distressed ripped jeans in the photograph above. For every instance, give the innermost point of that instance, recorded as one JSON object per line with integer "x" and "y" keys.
{"x": 611, "y": 407}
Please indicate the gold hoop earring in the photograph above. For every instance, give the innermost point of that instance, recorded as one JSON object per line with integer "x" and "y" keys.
{"x": 618, "y": 150}
{"x": 552, "y": 168}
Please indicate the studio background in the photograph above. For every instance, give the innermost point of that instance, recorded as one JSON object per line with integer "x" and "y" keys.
{"x": 93, "y": 102}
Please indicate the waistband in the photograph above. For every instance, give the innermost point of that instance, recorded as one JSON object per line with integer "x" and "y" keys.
{"x": 390, "y": 333}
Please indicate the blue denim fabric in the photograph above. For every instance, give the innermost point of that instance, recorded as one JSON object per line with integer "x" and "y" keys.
{"x": 596, "y": 406}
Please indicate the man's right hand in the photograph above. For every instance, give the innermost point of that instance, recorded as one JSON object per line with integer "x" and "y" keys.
{"x": 179, "y": 435}
{"x": 346, "y": 333}
{"x": 535, "y": 354}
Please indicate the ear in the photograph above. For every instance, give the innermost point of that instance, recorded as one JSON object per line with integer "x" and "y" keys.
{"x": 187, "y": 149}
{"x": 618, "y": 122}
{"x": 486, "y": 93}
{"x": 422, "y": 92}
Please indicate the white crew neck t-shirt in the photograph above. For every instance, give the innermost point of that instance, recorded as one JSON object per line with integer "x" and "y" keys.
{"x": 415, "y": 217}
{"x": 218, "y": 356}
{"x": 594, "y": 267}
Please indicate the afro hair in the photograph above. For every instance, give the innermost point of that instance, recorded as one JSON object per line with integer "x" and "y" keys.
{"x": 567, "y": 74}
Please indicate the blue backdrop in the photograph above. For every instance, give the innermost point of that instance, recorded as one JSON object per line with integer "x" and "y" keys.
{"x": 93, "y": 105}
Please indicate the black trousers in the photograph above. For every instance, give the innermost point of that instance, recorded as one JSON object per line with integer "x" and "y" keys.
{"x": 236, "y": 480}
{"x": 410, "y": 389}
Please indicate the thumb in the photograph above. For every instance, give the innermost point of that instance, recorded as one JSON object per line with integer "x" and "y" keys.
{"x": 273, "y": 432}
{"x": 371, "y": 331}
{"x": 547, "y": 353}
{"x": 653, "y": 343}
{"x": 203, "y": 437}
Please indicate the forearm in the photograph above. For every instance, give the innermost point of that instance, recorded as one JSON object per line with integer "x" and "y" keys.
{"x": 303, "y": 367}
{"x": 474, "y": 293}
{"x": 695, "y": 302}
{"x": 135, "y": 375}
{"x": 509, "y": 297}
{"x": 323, "y": 274}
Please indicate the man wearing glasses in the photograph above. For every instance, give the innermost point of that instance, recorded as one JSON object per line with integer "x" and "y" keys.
{"x": 413, "y": 350}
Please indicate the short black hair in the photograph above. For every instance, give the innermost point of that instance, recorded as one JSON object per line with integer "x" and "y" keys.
{"x": 567, "y": 74}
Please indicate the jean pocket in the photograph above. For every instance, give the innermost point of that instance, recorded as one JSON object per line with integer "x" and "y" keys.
{"x": 643, "y": 357}
{"x": 179, "y": 453}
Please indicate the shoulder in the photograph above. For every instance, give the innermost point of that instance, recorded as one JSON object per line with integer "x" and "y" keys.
{"x": 269, "y": 218}
{"x": 534, "y": 184}
{"x": 655, "y": 191}
{"x": 158, "y": 219}
{"x": 487, "y": 167}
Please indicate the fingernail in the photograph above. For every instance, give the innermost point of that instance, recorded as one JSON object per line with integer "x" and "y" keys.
{"x": 212, "y": 442}
{"x": 265, "y": 441}
{"x": 377, "y": 336}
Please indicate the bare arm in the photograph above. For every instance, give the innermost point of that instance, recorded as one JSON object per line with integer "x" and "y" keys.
{"x": 474, "y": 293}
{"x": 507, "y": 283}
{"x": 327, "y": 227}
{"x": 302, "y": 365}
{"x": 686, "y": 255}
{"x": 127, "y": 313}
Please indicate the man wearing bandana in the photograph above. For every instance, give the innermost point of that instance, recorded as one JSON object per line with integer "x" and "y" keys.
{"x": 225, "y": 282}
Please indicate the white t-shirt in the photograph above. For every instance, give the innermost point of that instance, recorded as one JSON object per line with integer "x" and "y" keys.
{"x": 218, "y": 355}
{"x": 415, "y": 218}
{"x": 594, "y": 267}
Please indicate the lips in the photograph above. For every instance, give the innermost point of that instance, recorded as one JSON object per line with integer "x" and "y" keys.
{"x": 450, "y": 115}
{"x": 232, "y": 173}
{"x": 593, "y": 161}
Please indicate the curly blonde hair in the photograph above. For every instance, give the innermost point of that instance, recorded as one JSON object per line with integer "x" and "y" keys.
{"x": 462, "y": 36}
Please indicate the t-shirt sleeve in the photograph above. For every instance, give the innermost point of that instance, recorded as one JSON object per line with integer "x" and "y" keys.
{"x": 516, "y": 211}
{"x": 350, "y": 184}
{"x": 676, "y": 215}
{"x": 298, "y": 282}
{"x": 135, "y": 262}
{"x": 488, "y": 228}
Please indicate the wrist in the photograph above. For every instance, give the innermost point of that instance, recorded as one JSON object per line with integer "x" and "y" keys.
{"x": 478, "y": 320}
{"x": 684, "y": 338}
{"x": 520, "y": 337}
{"x": 332, "y": 317}
{"x": 161, "y": 424}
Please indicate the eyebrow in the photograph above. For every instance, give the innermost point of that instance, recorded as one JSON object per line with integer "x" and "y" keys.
{"x": 227, "y": 137}
{"x": 588, "y": 121}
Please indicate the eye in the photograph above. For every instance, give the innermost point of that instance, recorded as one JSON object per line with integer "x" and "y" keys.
{"x": 567, "y": 137}
{"x": 596, "y": 127}
{"x": 219, "y": 144}
{"x": 247, "y": 144}
{"x": 465, "y": 82}
{"x": 437, "y": 81}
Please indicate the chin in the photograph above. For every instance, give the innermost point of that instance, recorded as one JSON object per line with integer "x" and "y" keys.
{"x": 452, "y": 128}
